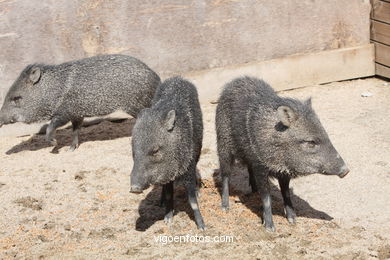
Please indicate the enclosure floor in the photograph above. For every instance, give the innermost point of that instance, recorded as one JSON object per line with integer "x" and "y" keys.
{"x": 61, "y": 204}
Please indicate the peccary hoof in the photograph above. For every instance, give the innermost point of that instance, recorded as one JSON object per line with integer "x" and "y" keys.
{"x": 72, "y": 148}
{"x": 53, "y": 142}
{"x": 269, "y": 225}
{"x": 290, "y": 214}
{"x": 270, "y": 228}
{"x": 168, "y": 219}
{"x": 225, "y": 208}
{"x": 202, "y": 227}
{"x": 291, "y": 220}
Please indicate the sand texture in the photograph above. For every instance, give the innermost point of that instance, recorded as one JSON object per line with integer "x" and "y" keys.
{"x": 57, "y": 204}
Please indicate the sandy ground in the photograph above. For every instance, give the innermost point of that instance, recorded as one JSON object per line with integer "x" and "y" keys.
{"x": 58, "y": 204}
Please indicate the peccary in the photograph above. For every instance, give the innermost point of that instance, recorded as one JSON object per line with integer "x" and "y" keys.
{"x": 71, "y": 91}
{"x": 274, "y": 137}
{"x": 166, "y": 144}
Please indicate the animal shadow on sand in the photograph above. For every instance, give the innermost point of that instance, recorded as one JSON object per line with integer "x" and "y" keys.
{"x": 97, "y": 130}
{"x": 239, "y": 186}
{"x": 150, "y": 210}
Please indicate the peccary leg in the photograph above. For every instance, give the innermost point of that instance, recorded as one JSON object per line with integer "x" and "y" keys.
{"x": 226, "y": 163}
{"x": 288, "y": 207}
{"x": 225, "y": 193}
{"x": 252, "y": 181}
{"x": 162, "y": 199}
{"x": 50, "y": 130}
{"x": 198, "y": 182}
{"x": 262, "y": 182}
{"x": 76, "y": 131}
{"x": 191, "y": 190}
{"x": 168, "y": 202}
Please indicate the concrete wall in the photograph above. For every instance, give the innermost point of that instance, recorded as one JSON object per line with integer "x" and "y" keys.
{"x": 174, "y": 36}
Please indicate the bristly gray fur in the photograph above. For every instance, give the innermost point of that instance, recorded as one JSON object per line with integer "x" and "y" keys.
{"x": 248, "y": 128}
{"x": 73, "y": 90}
{"x": 167, "y": 140}
{"x": 88, "y": 87}
{"x": 180, "y": 147}
{"x": 275, "y": 137}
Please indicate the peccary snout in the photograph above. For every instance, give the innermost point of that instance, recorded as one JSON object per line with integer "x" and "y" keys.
{"x": 344, "y": 170}
{"x": 138, "y": 181}
{"x": 340, "y": 170}
{"x": 335, "y": 166}
{"x": 135, "y": 189}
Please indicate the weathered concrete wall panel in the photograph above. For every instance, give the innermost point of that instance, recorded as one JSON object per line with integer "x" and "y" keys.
{"x": 174, "y": 36}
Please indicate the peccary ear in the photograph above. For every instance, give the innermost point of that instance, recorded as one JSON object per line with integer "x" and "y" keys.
{"x": 286, "y": 115}
{"x": 35, "y": 74}
{"x": 308, "y": 102}
{"x": 170, "y": 120}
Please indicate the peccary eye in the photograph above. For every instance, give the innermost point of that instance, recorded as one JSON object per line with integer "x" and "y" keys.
{"x": 16, "y": 100}
{"x": 154, "y": 151}
{"x": 311, "y": 144}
